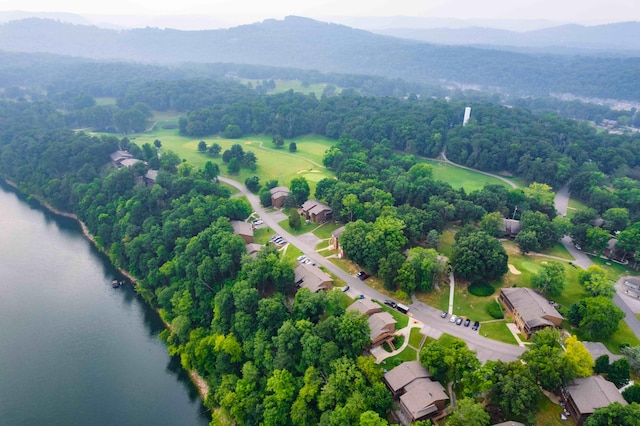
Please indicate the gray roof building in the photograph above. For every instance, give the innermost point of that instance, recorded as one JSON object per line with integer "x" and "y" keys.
{"x": 312, "y": 278}
{"x": 404, "y": 374}
{"x": 365, "y": 307}
{"x": 423, "y": 398}
{"x": 586, "y": 394}
{"x": 243, "y": 229}
{"x": 531, "y": 312}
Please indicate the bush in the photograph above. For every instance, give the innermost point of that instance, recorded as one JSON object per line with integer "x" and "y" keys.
{"x": 495, "y": 310}
{"x": 481, "y": 290}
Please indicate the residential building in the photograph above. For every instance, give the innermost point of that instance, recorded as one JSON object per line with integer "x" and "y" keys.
{"x": 586, "y": 394}
{"x": 530, "y": 311}
{"x": 279, "y": 195}
{"x": 335, "y": 241}
{"x": 382, "y": 327}
{"x": 150, "y": 177}
{"x": 365, "y": 307}
{"x": 315, "y": 211}
{"x": 244, "y": 230}
{"x": 399, "y": 377}
{"x": 312, "y": 278}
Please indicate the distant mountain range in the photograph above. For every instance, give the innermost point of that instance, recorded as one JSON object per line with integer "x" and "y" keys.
{"x": 308, "y": 44}
{"x": 619, "y": 37}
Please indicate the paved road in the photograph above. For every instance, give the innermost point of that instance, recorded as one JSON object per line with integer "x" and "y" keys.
{"x": 584, "y": 261}
{"x": 487, "y": 349}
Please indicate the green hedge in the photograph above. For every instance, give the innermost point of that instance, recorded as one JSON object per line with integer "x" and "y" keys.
{"x": 481, "y": 290}
{"x": 495, "y": 310}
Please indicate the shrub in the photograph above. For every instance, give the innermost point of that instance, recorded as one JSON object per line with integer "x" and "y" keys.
{"x": 495, "y": 310}
{"x": 481, "y": 290}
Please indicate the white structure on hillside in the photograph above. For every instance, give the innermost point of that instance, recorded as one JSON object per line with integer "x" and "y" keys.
{"x": 467, "y": 116}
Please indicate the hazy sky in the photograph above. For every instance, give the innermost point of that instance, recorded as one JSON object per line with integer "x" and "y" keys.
{"x": 558, "y": 10}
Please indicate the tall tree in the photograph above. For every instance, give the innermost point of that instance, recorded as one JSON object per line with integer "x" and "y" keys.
{"x": 551, "y": 279}
{"x": 597, "y": 318}
{"x": 299, "y": 188}
{"x": 467, "y": 412}
{"x": 479, "y": 257}
{"x": 595, "y": 282}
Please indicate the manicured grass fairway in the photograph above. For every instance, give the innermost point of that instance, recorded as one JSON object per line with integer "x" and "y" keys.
{"x": 273, "y": 163}
{"x": 458, "y": 177}
{"x": 295, "y": 85}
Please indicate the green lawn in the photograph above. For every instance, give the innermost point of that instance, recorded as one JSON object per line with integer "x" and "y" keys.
{"x": 574, "y": 206}
{"x": 295, "y": 85}
{"x": 548, "y": 413}
{"x": 105, "y": 101}
{"x": 273, "y": 163}
{"x": 292, "y": 252}
{"x": 499, "y": 331}
{"x": 458, "y": 177}
{"x": 262, "y": 235}
{"x": 614, "y": 270}
{"x": 304, "y": 227}
{"x": 445, "y": 244}
{"x": 559, "y": 250}
{"x": 415, "y": 338}
{"x": 623, "y": 335}
{"x": 409, "y": 354}
{"x": 324, "y": 231}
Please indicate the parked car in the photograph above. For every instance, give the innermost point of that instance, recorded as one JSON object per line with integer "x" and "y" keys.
{"x": 459, "y": 321}
{"x": 444, "y": 314}
{"x": 390, "y": 303}
{"x": 360, "y": 296}
{"x": 467, "y": 322}
{"x": 453, "y": 318}
{"x": 345, "y": 288}
{"x": 476, "y": 325}
{"x": 258, "y": 222}
{"x": 362, "y": 275}
{"x": 301, "y": 258}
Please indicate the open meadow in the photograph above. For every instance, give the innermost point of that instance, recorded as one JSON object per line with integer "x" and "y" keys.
{"x": 273, "y": 163}
{"x": 458, "y": 177}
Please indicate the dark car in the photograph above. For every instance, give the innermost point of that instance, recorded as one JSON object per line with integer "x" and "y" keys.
{"x": 362, "y": 275}
{"x": 345, "y": 288}
{"x": 459, "y": 320}
{"x": 390, "y": 303}
{"x": 360, "y": 296}
{"x": 444, "y": 314}
{"x": 467, "y": 322}
{"x": 476, "y": 325}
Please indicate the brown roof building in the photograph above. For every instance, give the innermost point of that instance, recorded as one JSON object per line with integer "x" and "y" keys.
{"x": 423, "y": 399}
{"x": 335, "y": 241}
{"x": 399, "y": 377}
{"x": 150, "y": 177}
{"x": 312, "y": 278}
{"x": 278, "y": 196}
{"x": 509, "y": 423}
{"x": 586, "y": 394}
{"x": 382, "y": 326}
{"x": 530, "y": 311}
{"x": 244, "y": 229}
{"x": 118, "y": 156}
{"x": 315, "y": 211}
{"x": 365, "y": 307}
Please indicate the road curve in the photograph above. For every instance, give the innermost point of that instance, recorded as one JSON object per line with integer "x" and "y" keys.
{"x": 443, "y": 154}
{"x": 487, "y": 349}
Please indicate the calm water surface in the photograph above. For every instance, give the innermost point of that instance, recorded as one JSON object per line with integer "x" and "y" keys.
{"x": 73, "y": 350}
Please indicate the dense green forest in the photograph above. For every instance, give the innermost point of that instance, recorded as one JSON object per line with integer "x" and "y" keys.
{"x": 272, "y": 356}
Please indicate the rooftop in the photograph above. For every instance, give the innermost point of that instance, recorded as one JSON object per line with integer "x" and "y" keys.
{"x": 532, "y": 307}
{"x": 421, "y": 397}
{"x": 405, "y": 373}
{"x": 311, "y": 277}
{"x": 591, "y": 393}
{"x": 365, "y": 306}
{"x": 380, "y": 323}
{"x": 242, "y": 228}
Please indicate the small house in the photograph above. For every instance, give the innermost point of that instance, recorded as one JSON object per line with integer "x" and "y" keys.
{"x": 244, "y": 230}
{"x": 315, "y": 211}
{"x": 150, "y": 177}
{"x": 586, "y": 394}
{"x": 279, "y": 195}
{"x": 382, "y": 326}
{"x": 312, "y": 278}
{"x": 335, "y": 241}
{"x": 365, "y": 307}
{"x": 399, "y": 377}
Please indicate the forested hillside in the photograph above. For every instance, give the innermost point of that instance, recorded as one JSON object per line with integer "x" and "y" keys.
{"x": 307, "y": 44}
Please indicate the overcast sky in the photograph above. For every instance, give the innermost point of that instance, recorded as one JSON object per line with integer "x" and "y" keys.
{"x": 585, "y": 11}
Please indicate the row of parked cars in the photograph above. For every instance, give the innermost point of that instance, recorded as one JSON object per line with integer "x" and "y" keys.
{"x": 278, "y": 240}
{"x": 459, "y": 320}
{"x": 305, "y": 259}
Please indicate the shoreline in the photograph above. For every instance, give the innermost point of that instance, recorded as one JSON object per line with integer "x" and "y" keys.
{"x": 198, "y": 381}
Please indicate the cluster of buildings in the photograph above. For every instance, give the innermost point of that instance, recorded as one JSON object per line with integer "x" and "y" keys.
{"x": 122, "y": 158}
{"x": 382, "y": 325}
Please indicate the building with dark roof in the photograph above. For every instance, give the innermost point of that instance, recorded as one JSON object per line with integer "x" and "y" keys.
{"x": 315, "y": 211}
{"x": 244, "y": 230}
{"x": 335, "y": 241}
{"x": 382, "y": 326}
{"x": 530, "y": 311}
{"x": 423, "y": 399}
{"x": 365, "y": 307}
{"x": 401, "y": 376}
{"x": 586, "y": 394}
{"x": 279, "y": 195}
{"x": 312, "y": 278}
{"x": 150, "y": 177}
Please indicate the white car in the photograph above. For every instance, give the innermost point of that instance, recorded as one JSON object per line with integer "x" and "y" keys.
{"x": 258, "y": 222}
{"x": 453, "y": 318}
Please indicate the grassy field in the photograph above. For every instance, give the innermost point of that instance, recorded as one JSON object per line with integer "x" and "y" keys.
{"x": 559, "y": 250}
{"x": 445, "y": 244}
{"x": 574, "y": 206}
{"x": 461, "y": 178}
{"x": 402, "y": 320}
{"x": 415, "y": 338}
{"x": 273, "y": 163}
{"x": 548, "y": 413}
{"x": 324, "y": 231}
{"x": 497, "y": 330}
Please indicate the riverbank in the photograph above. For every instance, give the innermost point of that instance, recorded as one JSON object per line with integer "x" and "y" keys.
{"x": 197, "y": 380}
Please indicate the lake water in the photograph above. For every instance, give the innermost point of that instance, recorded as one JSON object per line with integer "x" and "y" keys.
{"x": 74, "y": 350}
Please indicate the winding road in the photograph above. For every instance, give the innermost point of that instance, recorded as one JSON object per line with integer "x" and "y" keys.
{"x": 434, "y": 325}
